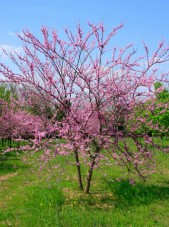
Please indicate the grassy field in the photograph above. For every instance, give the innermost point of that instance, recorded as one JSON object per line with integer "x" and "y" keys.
{"x": 54, "y": 200}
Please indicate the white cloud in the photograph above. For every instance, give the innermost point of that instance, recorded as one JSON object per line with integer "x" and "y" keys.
{"x": 14, "y": 34}
{"x": 10, "y": 33}
{"x": 9, "y": 49}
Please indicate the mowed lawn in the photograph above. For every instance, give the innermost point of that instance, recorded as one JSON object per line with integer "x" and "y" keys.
{"x": 51, "y": 197}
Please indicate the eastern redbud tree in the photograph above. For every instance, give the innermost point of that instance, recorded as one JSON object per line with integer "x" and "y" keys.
{"x": 17, "y": 124}
{"x": 96, "y": 93}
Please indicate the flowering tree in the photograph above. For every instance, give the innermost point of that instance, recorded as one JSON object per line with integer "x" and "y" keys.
{"x": 97, "y": 90}
{"x": 16, "y": 123}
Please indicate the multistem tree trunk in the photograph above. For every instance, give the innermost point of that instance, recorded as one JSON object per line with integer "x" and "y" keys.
{"x": 90, "y": 172}
{"x": 78, "y": 170}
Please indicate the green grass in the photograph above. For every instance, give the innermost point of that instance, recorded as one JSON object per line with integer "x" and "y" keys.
{"x": 29, "y": 200}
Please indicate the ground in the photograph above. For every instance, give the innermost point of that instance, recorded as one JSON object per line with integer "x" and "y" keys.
{"x": 54, "y": 199}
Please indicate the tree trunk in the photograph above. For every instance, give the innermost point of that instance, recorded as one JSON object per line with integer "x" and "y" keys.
{"x": 78, "y": 170}
{"x": 162, "y": 142}
{"x": 90, "y": 172}
{"x": 9, "y": 142}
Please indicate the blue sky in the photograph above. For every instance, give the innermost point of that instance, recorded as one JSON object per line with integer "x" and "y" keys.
{"x": 146, "y": 20}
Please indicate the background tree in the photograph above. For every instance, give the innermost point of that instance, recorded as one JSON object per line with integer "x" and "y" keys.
{"x": 161, "y": 114}
{"x": 4, "y": 93}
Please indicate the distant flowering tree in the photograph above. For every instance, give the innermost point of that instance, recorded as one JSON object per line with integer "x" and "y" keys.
{"x": 18, "y": 124}
{"x": 96, "y": 89}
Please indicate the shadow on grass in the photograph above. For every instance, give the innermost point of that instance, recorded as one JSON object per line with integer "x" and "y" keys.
{"x": 10, "y": 163}
{"x": 10, "y": 168}
{"x": 127, "y": 194}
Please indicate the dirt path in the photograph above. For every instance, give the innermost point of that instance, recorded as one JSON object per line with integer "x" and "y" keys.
{"x": 7, "y": 176}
